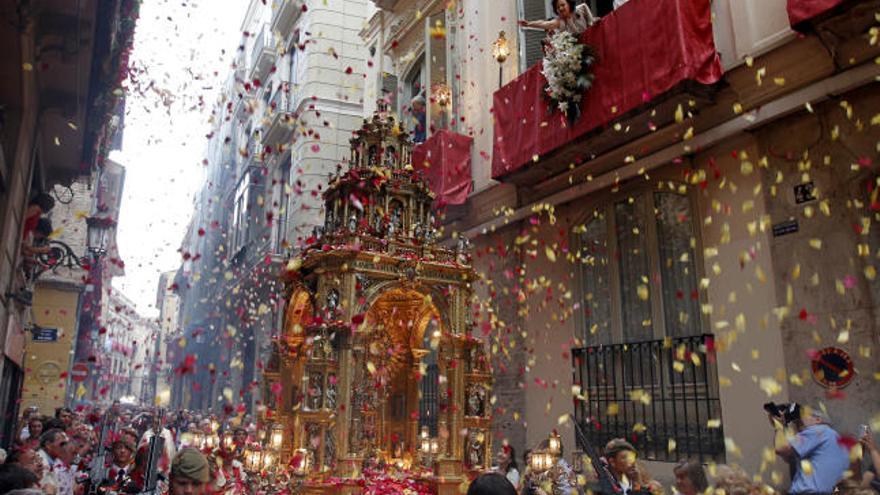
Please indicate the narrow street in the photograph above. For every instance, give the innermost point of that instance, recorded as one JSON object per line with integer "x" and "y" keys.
{"x": 425, "y": 247}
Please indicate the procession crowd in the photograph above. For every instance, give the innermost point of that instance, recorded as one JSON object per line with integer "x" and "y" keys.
{"x": 113, "y": 451}
{"x": 820, "y": 462}
{"x": 116, "y": 451}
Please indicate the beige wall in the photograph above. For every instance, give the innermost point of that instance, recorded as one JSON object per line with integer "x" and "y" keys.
{"x": 841, "y": 301}
{"x": 46, "y": 363}
{"x": 750, "y": 349}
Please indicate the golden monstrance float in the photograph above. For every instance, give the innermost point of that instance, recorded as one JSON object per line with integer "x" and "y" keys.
{"x": 377, "y": 367}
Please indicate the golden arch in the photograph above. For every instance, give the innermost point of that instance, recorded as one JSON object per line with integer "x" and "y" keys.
{"x": 396, "y": 324}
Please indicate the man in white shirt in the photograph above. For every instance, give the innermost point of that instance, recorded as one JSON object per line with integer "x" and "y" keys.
{"x": 53, "y": 446}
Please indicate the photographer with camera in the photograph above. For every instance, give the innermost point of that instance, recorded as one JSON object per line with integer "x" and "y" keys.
{"x": 804, "y": 439}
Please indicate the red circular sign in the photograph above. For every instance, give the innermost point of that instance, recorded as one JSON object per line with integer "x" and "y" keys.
{"x": 833, "y": 368}
{"x": 79, "y": 372}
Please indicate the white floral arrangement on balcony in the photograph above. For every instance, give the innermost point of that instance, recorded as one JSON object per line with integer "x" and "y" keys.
{"x": 566, "y": 65}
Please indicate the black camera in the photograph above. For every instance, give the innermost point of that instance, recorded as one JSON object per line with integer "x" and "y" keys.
{"x": 788, "y": 413}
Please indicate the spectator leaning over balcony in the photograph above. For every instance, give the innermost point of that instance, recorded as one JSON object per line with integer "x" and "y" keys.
{"x": 814, "y": 452}
{"x": 419, "y": 119}
{"x": 38, "y": 206}
{"x": 571, "y": 18}
{"x": 37, "y": 242}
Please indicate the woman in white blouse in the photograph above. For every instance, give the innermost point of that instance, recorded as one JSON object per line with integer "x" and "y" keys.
{"x": 571, "y": 18}
{"x": 506, "y": 460}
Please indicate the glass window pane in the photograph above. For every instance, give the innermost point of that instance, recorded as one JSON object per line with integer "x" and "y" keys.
{"x": 595, "y": 288}
{"x": 678, "y": 271}
{"x": 635, "y": 269}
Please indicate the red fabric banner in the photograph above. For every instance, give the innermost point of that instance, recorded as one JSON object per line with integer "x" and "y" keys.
{"x": 804, "y": 10}
{"x": 644, "y": 49}
{"x": 445, "y": 159}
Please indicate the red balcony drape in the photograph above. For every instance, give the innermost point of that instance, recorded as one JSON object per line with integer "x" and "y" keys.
{"x": 644, "y": 49}
{"x": 445, "y": 159}
{"x": 804, "y": 10}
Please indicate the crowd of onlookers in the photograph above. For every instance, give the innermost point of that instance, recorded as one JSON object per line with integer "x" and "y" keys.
{"x": 116, "y": 451}
{"x": 820, "y": 462}
{"x": 92, "y": 451}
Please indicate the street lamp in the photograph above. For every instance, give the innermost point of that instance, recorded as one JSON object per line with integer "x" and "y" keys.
{"x": 59, "y": 254}
{"x": 443, "y": 95}
{"x": 99, "y": 234}
{"x": 500, "y": 50}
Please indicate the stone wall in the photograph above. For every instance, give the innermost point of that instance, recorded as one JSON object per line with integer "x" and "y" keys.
{"x": 835, "y": 299}
{"x": 499, "y": 322}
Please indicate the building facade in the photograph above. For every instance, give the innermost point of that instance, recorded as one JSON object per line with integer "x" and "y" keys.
{"x": 127, "y": 347}
{"x": 60, "y": 115}
{"x": 168, "y": 304}
{"x": 697, "y": 243}
{"x": 279, "y": 128}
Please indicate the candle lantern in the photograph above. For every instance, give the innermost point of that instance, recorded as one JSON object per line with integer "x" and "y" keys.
{"x": 276, "y": 437}
{"x": 554, "y": 446}
{"x": 541, "y": 461}
{"x": 252, "y": 458}
{"x": 300, "y": 462}
{"x": 268, "y": 460}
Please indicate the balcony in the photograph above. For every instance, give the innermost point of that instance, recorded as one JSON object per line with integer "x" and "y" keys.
{"x": 280, "y": 117}
{"x": 645, "y": 69}
{"x": 284, "y": 16}
{"x": 445, "y": 159}
{"x": 676, "y": 383}
{"x": 262, "y": 54}
{"x": 243, "y": 105}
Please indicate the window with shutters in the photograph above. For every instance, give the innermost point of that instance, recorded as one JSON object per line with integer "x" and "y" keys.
{"x": 240, "y": 214}
{"x": 530, "y": 39}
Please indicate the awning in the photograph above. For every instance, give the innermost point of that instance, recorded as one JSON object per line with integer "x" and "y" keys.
{"x": 644, "y": 49}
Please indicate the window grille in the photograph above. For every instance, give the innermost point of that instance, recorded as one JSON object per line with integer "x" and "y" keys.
{"x": 661, "y": 395}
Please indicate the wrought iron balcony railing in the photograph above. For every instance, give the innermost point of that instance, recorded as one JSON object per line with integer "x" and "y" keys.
{"x": 662, "y": 395}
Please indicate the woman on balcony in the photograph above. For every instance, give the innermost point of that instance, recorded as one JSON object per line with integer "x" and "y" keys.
{"x": 571, "y": 18}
